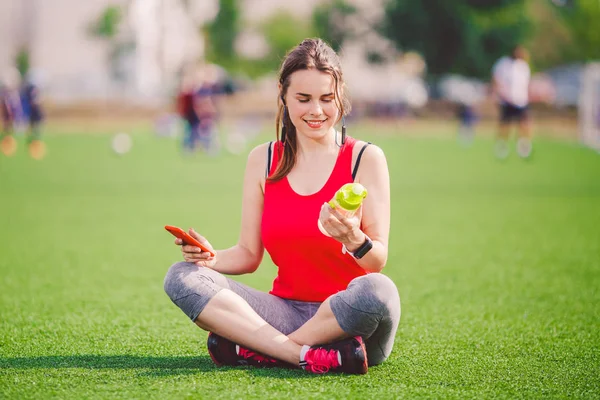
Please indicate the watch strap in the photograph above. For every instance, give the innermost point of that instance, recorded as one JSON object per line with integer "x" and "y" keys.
{"x": 362, "y": 250}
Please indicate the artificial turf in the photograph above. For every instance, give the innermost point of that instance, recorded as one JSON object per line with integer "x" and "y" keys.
{"x": 497, "y": 265}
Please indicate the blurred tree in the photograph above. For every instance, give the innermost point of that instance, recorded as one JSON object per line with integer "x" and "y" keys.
{"x": 22, "y": 61}
{"x": 106, "y": 27}
{"x": 221, "y": 34}
{"x": 460, "y": 36}
{"x": 549, "y": 40}
{"x": 107, "y": 24}
{"x": 563, "y": 32}
{"x": 283, "y": 31}
{"x": 329, "y": 20}
{"x": 582, "y": 18}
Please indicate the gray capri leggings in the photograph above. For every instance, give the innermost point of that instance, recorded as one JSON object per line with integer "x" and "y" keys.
{"x": 369, "y": 307}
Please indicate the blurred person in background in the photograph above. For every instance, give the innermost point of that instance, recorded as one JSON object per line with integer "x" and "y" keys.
{"x": 330, "y": 309}
{"x": 510, "y": 84}
{"x": 197, "y": 104}
{"x": 10, "y": 109}
{"x": 205, "y": 105}
{"x": 216, "y": 84}
{"x": 190, "y": 83}
{"x": 467, "y": 118}
{"x": 33, "y": 112}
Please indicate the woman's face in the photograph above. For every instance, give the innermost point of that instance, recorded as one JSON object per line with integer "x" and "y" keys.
{"x": 310, "y": 100}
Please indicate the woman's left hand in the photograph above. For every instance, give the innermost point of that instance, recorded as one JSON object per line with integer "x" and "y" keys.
{"x": 344, "y": 230}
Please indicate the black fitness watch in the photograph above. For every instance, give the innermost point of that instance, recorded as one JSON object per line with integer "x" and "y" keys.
{"x": 363, "y": 249}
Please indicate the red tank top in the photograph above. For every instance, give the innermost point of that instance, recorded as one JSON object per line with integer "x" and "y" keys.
{"x": 311, "y": 266}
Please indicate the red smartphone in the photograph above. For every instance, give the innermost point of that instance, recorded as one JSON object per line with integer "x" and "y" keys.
{"x": 187, "y": 239}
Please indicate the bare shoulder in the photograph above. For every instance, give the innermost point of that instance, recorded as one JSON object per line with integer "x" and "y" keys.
{"x": 372, "y": 156}
{"x": 256, "y": 166}
{"x": 258, "y": 155}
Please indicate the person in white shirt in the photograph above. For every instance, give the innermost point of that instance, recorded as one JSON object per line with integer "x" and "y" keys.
{"x": 510, "y": 83}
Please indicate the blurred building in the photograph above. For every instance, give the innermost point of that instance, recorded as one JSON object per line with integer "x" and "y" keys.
{"x": 155, "y": 39}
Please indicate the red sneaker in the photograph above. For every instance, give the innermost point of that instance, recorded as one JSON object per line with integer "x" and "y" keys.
{"x": 225, "y": 352}
{"x": 348, "y": 356}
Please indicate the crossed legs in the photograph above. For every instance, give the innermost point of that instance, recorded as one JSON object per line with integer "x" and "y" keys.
{"x": 370, "y": 307}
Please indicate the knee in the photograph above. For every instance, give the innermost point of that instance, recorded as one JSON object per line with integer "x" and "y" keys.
{"x": 370, "y": 303}
{"x": 176, "y": 278}
{"x": 378, "y": 294}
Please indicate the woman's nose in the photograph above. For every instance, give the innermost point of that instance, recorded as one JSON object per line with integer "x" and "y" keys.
{"x": 316, "y": 108}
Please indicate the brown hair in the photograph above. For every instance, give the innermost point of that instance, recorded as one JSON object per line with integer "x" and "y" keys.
{"x": 310, "y": 54}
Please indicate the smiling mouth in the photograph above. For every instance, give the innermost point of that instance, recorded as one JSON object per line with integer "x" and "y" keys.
{"x": 315, "y": 124}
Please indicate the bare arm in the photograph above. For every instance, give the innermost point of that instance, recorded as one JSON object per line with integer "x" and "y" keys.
{"x": 373, "y": 218}
{"x": 374, "y": 175}
{"x": 246, "y": 255}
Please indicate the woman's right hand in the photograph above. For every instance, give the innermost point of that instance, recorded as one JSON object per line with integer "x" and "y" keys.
{"x": 195, "y": 254}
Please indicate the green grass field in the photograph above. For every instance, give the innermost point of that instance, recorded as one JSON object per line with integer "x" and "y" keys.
{"x": 497, "y": 264}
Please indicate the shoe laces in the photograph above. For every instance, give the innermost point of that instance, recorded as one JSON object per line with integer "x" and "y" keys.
{"x": 321, "y": 360}
{"x": 249, "y": 354}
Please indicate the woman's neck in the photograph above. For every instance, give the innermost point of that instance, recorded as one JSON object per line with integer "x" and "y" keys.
{"x": 308, "y": 148}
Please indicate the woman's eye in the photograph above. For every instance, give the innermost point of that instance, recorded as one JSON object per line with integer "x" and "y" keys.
{"x": 303, "y": 100}
{"x": 327, "y": 100}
